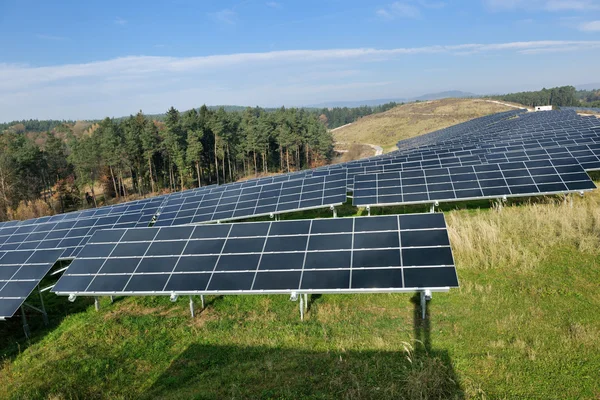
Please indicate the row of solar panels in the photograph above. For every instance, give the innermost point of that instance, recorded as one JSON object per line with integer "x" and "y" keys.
{"x": 29, "y": 249}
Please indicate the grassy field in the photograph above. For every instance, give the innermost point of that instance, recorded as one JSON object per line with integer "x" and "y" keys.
{"x": 409, "y": 120}
{"x": 524, "y": 324}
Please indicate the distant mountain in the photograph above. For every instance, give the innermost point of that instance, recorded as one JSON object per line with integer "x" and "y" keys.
{"x": 588, "y": 86}
{"x": 376, "y": 102}
{"x": 456, "y": 94}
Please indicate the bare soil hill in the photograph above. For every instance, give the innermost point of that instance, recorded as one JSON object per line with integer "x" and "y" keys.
{"x": 409, "y": 120}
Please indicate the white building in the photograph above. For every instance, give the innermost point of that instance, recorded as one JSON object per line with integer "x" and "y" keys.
{"x": 543, "y": 108}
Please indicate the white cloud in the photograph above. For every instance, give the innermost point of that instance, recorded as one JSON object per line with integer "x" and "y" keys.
{"x": 273, "y": 4}
{"x": 398, "y": 10}
{"x": 120, "y": 21}
{"x": 383, "y": 13}
{"x": 574, "y": 5}
{"x": 547, "y": 5}
{"x": 432, "y": 4}
{"x": 404, "y": 10}
{"x": 124, "y": 85}
{"x": 592, "y": 26}
{"x": 225, "y": 16}
{"x": 407, "y": 8}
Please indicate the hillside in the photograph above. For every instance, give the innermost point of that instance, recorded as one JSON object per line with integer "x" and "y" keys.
{"x": 375, "y": 102}
{"x": 524, "y": 324}
{"x": 409, "y": 120}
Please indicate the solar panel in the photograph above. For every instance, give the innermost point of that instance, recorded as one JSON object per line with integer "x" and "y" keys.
{"x": 339, "y": 255}
{"x": 514, "y": 179}
{"x": 20, "y": 273}
{"x": 253, "y": 201}
{"x": 68, "y": 235}
{"x": 28, "y": 251}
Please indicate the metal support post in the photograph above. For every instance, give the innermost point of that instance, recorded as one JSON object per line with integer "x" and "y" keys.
{"x": 432, "y": 209}
{"x": 111, "y": 299}
{"x": 571, "y": 200}
{"x": 301, "y": 308}
{"x": 369, "y": 211}
{"x": 96, "y": 303}
{"x": 332, "y": 208}
{"x": 425, "y": 297}
{"x": 44, "y": 313}
{"x": 202, "y": 300}
{"x": 25, "y": 325}
{"x": 192, "y": 307}
{"x": 305, "y": 302}
{"x": 499, "y": 204}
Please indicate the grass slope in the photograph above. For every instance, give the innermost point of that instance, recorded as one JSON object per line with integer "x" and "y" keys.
{"x": 409, "y": 120}
{"x": 524, "y": 324}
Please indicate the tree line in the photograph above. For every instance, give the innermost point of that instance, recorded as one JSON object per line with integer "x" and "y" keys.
{"x": 558, "y": 96}
{"x": 338, "y": 116}
{"x": 589, "y": 98}
{"x": 138, "y": 155}
{"x": 332, "y": 117}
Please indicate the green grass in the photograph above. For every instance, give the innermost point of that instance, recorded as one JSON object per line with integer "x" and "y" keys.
{"x": 524, "y": 324}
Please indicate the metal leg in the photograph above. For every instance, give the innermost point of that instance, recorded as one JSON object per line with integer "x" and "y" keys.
{"x": 96, "y": 303}
{"x": 111, "y": 299}
{"x": 368, "y": 211}
{"x": 571, "y": 200}
{"x": 332, "y": 208}
{"x": 25, "y": 325}
{"x": 202, "y": 299}
{"x": 499, "y": 204}
{"x": 423, "y": 305}
{"x": 44, "y": 313}
{"x": 301, "y": 308}
{"x": 432, "y": 209}
{"x": 192, "y": 307}
{"x": 305, "y": 302}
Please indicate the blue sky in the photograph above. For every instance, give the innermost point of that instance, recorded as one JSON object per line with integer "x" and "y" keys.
{"x": 90, "y": 59}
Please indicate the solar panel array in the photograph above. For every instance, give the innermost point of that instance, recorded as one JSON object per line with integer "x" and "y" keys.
{"x": 29, "y": 249}
{"x": 63, "y": 236}
{"x": 507, "y": 154}
{"x": 252, "y": 201}
{"x": 343, "y": 255}
{"x": 20, "y": 273}
{"x": 514, "y": 179}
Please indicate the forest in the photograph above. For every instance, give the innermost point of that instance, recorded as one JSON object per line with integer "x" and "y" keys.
{"x": 589, "y": 98}
{"x": 558, "y": 96}
{"x": 338, "y": 116}
{"x": 50, "y": 171}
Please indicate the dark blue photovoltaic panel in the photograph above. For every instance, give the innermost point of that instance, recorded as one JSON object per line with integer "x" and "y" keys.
{"x": 327, "y": 255}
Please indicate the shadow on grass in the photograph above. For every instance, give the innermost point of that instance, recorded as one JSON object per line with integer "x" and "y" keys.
{"x": 312, "y": 299}
{"x": 212, "y": 371}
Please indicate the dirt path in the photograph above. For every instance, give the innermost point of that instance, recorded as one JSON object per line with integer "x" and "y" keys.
{"x": 506, "y": 104}
{"x": 378, "y": 149}
{"x": 340, "y": 127}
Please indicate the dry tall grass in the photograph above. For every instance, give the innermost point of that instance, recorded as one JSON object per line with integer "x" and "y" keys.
{"x": 517, "y": 237}
{"x": 29, "y": 210}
